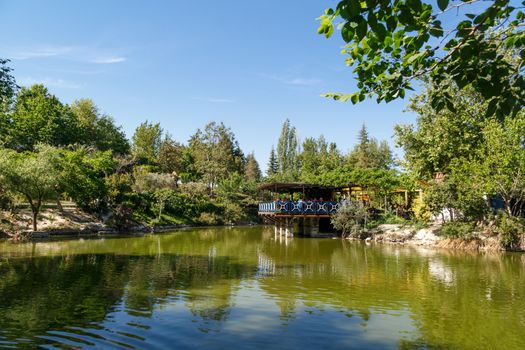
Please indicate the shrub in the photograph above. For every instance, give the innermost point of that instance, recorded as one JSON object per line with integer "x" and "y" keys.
{"x": 421, "y": 210}
{"x": 209, "y": 219}
{"x": 390, "y": 217}
{"x": 351, "y": 219}
{"x": 122, "y": 217}
{"x": 458, "y": 229}
{"x": 510, "y": 230}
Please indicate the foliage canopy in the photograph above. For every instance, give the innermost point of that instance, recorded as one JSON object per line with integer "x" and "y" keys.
{"x": 391, "y": 44}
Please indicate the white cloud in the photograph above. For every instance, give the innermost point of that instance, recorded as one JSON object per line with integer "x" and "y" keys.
{"x": 50, "y": 82}
{"x": 109, "y": 60}
{"x": 302, "y": 81}
{"x": 289, "y": 80}
{"x": 73, "y": 53}
{"x": 214, "y": 100}
{"x": 41, "y": 52}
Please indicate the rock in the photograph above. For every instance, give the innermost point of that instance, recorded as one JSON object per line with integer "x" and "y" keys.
{"x": 394, "y": 233}
{"x": 426, "y": 236}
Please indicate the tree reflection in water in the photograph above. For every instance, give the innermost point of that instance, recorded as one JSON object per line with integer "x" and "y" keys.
{"x": 239, "y": 284}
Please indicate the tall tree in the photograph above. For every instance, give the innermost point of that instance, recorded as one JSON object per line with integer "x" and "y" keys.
{"x": 171, "y": 156}
{"x": 253, "y": 172}
{"x": 369, "y": 153}
{"x": 287, "y": 152}
{"x": 216, "y": 153}
{"x": 273, "y": 164}
{"x": 39, "y": 117}
{"x": 8, "y": 85}
{"x": 282, "y": 147}
{"x": 96, "y": 129}
{"x": 391, "y": 44}
{"x": 310, "y": 160}
{"x": 438, "y": 138}
{"x": 147, "y": 141}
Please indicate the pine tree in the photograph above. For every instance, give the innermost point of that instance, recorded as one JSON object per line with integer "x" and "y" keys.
{"x": 253, "y": 171}
{"x": 273, "y": 165}
{"x": 370, "y": 153}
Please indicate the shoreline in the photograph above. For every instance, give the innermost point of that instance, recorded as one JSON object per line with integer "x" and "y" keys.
{"x": 395, "y": 234}
{"x": 106, "y": 231}
{"x": 429, "y": 237}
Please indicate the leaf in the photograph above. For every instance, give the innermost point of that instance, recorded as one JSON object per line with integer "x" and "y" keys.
{"x": 380, "y": 31}
{"x": 491, "y": 108}
{"x": 415, "y": 57}
{"x": 442, "y": 4}
{"x": 354, "y": 8}
{"x": 436, "y": 32}
{"x": 362, "y": 28}
{"x": 391, "y": 23}
{"x": 347, "y": 32}
{"x": 450, "y": 105}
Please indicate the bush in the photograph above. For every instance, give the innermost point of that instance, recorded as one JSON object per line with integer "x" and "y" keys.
{"x": 209, "y": 219}
{"x": 458, "y": 229}
{"x": 389, "y": 217}
{"x": 421, "y": 210}
{"x": 510, "y": 230}
{"x": 122, "y": 217}
{"x": 351, "y": 219}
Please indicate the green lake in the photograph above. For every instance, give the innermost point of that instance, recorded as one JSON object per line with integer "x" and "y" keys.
{"x": 243, "y": 288}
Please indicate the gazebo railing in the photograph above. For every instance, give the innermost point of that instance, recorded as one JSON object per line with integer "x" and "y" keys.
{"x": 299, "y": 207}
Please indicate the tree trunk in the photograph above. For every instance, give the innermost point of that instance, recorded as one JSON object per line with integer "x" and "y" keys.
{"x": 507, "y": 203}
{"x": 161, "y": 205}
{"x": 59, "y": 205}
{"x": 35, "y": 216}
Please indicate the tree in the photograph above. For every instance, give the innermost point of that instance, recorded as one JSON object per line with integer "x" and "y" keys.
{"x": 333, "y": 158}
{"x": 350, "y": 218}
{"x": 369, "y": 153}
{"x": 8, "y": 86}
{"x": 216, "y": 153}
{"x": 82, "y": 176}
{"x": 38, "y": 117}
{"x": 32, "y": 175}
{"x": 273, "y": 165}
{"x": 310, "y": 160}
{"x": 171, "y": 157}
{"x": 252, "y": 172}
{"x": 391, "y": 44}
{"x": 438, "y": 138}
{"x": 500, "y": 167}
{"x": 287, "y": 152}
{"x": 318, "y": 157}
{"x": 147, "y": 141}
{"x": 160, "y": 185}
{"x": 96, "y": 129}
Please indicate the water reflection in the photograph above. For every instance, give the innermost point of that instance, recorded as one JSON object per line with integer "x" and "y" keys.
{"x": 243, "y": 287}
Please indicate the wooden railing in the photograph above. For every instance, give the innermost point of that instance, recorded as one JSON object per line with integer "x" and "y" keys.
{"x": 299, "y": 207}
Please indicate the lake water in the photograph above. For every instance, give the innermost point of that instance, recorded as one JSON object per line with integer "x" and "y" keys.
{"x": 242, "y": 288}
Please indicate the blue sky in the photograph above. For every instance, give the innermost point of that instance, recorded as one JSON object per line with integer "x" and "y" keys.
{"x": 249, "y": 64}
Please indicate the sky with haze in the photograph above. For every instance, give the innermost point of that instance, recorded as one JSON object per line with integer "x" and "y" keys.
{"x": 249, "y": 64}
